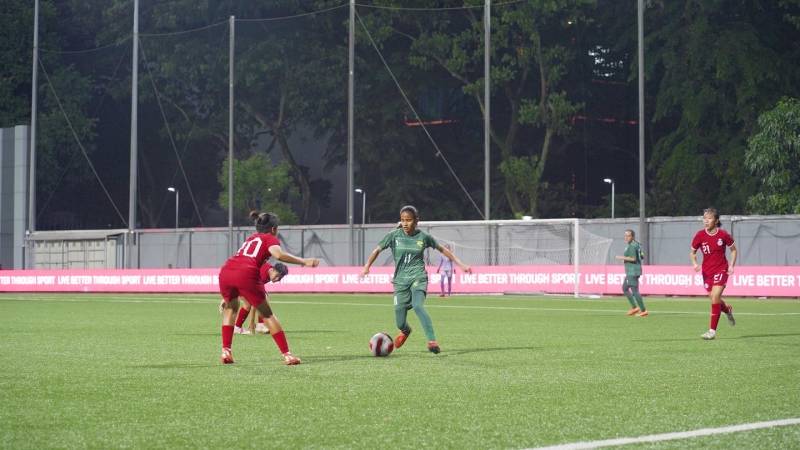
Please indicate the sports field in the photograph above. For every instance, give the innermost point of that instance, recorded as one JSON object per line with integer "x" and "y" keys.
{"x": 143, "y": 371}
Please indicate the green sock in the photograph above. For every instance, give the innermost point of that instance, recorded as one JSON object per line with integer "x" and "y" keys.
{"x": 638, "y": 298}
{"x": 417, "y": 302}
{"x": 630, "y": 298}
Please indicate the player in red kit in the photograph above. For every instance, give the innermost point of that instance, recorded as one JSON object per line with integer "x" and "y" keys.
{"x": 712, "y": 241}
{"x": 267, "y": 273}
{"x": 240, "y": 276}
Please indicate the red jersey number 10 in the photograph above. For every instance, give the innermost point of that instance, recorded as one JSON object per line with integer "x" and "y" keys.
{"x": 250, "y": 248}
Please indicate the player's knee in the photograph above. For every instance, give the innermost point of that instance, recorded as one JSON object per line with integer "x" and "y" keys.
{"x": 232, "y": 304}
{"x": 265, "y": 310}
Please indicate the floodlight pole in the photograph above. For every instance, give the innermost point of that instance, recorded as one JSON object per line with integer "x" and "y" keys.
{"x": 350, "y": 116}
{"x": 487, "y": 47}
{"x": 32, "y": 150}
{"x": 363, "y": 205}
{"x": 177, "y": 203}
{"x": 231, "y": 23}
{"x": 611, "y": 182}
{"x": 362, "y": 241}
{"x": 134, "y": 136}
{"x": 643, "y": 231}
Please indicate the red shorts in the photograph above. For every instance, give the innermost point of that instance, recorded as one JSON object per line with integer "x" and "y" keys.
{"x": 715, "y": 279}
{"x": 242, "y": 283}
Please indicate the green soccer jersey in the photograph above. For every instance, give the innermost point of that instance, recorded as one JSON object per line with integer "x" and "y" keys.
{"x": 409, "y": 255}
{"x": 633, "y": 250}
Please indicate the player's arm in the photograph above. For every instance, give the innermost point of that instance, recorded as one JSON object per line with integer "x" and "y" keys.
{"x": 277, "y": 252}
{"x": 626, "y": 258}
{"x": 451, "y": 256}
{"x": 693, "y": 258}
{"x": 734, "y": 254}
{"x": 372, "y": 257}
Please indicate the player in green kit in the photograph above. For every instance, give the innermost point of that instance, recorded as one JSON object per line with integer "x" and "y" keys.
{"x": 633, "y": 270}
{"x": 410, "y": 281}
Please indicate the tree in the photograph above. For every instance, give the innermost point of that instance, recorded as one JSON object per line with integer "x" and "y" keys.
{"x": 259, "y": 185}
{"x": 773, "y": 156}
{"x": 714, "y": 66}
{"x": 65, "y": 110}
{"x": 282, "y": 79}
{"x": 531, "y": 56}
{"x": 15, "y": 69}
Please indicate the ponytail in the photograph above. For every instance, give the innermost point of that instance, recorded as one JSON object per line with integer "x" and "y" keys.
{"x": 264, "y": 222}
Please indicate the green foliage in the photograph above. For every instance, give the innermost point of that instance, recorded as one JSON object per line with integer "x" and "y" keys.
{"x": 518, "y": 172}
{"x": 773, "y": 155}
{"x": 712, "y": 67}
{"x": 16, "y": 17}
{"x": 62, "y": 88}
{"x": 259, "y": 185}
{"x": 731, "y": 62}
{"x": 531, "y": 58}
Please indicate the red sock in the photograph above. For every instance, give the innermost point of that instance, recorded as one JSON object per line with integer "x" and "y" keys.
{"x": 260, "y": 319}
{"x": 227, "y": 336}
{"x": 280, "y": 341}
{"x": 715, "y": 310}
{"x": 241, "y": 317}
{"x": 724, "y": 307}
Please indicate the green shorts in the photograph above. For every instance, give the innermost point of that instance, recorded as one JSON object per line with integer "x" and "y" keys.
{"x": 402, "y": 292}
{"x": 632, "y": 280}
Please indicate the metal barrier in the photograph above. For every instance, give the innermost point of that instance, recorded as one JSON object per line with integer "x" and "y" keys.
{"x": 761, "y": 240}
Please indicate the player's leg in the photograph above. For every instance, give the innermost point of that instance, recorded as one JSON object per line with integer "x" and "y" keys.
{"x": 402, "y": 303}
{"x": 634, "y": 284}
{"x": 276, "y": 330}
{"x": 241, "y": 316}
{"x": 441, "y": 283}
{"x": 449, "y": 283}
{"x": 230, "y": 304}
{"x": 229, "y": 308}
{"x": 715, "y": 285}
{"x": 726, "y": 308}
{"x": 626, "y": 290}
{"x": 714, "y": 295}
{"x": 418, "y": 303}
{"x": 716, "y": 309}
{"x": 261, "y": 326}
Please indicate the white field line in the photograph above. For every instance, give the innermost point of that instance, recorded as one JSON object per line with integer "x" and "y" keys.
{"x": 190, "y": 300}
{"x": 673, "y": 436}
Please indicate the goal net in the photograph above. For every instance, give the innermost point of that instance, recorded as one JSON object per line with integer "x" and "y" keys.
{"x": 558, "y": 242}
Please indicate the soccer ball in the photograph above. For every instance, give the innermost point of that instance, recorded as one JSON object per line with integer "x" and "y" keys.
{"x": 381, "y": 344}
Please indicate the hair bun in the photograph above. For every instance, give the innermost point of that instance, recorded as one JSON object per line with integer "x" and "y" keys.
{"x": 254, "y": 215}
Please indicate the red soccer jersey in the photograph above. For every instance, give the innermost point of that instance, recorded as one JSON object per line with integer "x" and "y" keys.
{"x": 254, "y": 252}
{"x": 713, "y": 247}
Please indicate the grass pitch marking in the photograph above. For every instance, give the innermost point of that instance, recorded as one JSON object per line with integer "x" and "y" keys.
{"x": 673, "y": 436}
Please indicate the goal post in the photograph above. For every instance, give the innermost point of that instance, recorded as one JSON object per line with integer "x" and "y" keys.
{"x": 541, "y": 242}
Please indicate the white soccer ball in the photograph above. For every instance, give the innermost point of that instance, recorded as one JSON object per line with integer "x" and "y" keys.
{"x": 381, "y": 344}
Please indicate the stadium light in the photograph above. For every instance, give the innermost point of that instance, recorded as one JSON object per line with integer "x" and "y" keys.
{"x": 363, "y": 204}
{"x": 611, "y": 182}
{"x": 177, "y": 202}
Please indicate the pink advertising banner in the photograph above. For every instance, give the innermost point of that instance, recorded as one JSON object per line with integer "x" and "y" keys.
{"x": 756, "y": 281}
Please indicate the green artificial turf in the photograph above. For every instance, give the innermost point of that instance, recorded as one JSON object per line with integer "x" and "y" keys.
{"x": 143, "y": 371}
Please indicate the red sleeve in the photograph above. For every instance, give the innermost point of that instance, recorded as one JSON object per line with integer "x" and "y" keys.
{"x": 727, "y": 239}
{"x": 696, "y": 241}
{"x": 270, "y": 241}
